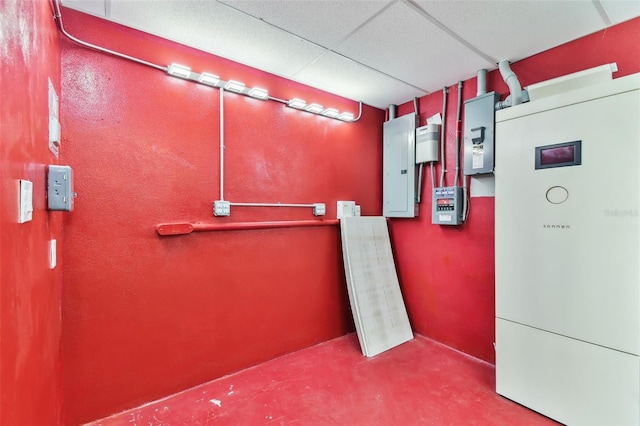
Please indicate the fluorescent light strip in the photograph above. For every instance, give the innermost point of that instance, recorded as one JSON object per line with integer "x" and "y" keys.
{"x": 178, "y": 70}
{"x": 234, "y": 86}
{"x": 314, "y": 108}
{"x": 209, "y": 79}
{"x": 330, "y": 112}
{"x": 297, "y": 103}
{"x": 259, "y": 93}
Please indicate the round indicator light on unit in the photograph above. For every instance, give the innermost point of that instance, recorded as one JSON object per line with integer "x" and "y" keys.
{"x": 557, "y": 194}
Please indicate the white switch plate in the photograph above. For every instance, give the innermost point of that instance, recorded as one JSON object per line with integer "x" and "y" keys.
{"x": 26, "y": 201}
{"x": 54, "y": 121}
{"x": 53, "y": 260}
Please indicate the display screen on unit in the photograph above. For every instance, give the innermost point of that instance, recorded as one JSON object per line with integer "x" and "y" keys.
{"x": 559, "y": 155}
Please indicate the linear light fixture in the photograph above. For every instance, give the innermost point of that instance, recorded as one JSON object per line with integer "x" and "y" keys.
{"x": 314, "y": 108}
{"x": 331, "y": 112}
{"x": 345, "y": 116}
{"x": 234, "y": 86}
{"x": 209, "y": 79}
{"x": 213, "y": 80}
{"x": 297, "y": 103}
{"x": 259, "y": 93}
{"x": 179, "y": 71}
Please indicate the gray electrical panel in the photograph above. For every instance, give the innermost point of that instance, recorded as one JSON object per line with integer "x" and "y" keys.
{"x": 447, "y": 206}
{"x": 398, "y": 167}
{"x": 479, "y": 131}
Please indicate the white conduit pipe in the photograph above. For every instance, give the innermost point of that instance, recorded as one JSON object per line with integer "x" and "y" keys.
{"x": 271, "y": 205}
{"x": 222, "y": 143}
{"x": 512, "y": 82}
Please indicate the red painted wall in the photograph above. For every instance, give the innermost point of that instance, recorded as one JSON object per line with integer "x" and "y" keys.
{"x": 447, "y": 273}
{"x": 145, "y": 316}
{"x": 30, "y": 292}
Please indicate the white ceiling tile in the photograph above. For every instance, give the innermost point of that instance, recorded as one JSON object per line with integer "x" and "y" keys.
{"x": 336, "y": 74}
{"x": 324, "y": 22}
{"x": 94, "y": 7}
{"x": 516, "y": 29}
{"x": 218, "y": 29}
{"x": 403, "y": 43}
{"x": 621, "y": 10}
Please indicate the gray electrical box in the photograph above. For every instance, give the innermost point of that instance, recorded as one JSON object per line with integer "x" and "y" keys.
{"x": 447, "y": 206}
{"x": 479, "y": 131}
{"x": 427, "y": 138}
{"x": 60, "y": 193}
{"x": 398, "y": 167}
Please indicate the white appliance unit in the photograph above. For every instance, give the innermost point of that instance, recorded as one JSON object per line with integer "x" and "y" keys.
{"x": 568, "y": 253}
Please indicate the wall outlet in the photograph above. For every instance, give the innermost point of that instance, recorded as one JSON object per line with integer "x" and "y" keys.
{"x": 60, "y": 193}
{"x": 26, "y": 201}
{"x": 221, "y": 208}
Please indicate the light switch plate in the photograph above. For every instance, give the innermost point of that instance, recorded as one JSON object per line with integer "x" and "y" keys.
{"x": 26, "y": 201}
{"x": 53, "y": 260}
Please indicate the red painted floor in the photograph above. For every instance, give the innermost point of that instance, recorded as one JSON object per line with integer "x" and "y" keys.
{"x": 418, "y": 383}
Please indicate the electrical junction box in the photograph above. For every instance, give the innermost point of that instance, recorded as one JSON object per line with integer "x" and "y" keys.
{"x": 347, "y": 209}
{"x": 221, "y": 208}
{"x": 319, "y": 209}
{"x": 60, "y": 193}
{"x": 447, "y": 206}
{"x": 479, "y": 134}
{"x": 398, "y": 167}
{"x": 427, "y": 139}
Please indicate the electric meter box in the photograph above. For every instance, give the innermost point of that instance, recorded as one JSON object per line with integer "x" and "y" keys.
{"x": 447, "y": 206}
{"x": 479, "y": 134}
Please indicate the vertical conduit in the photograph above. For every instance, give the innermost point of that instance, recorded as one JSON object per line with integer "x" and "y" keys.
{"x": 443, "y": 166}
{"x": 458, "y": 133}
{"x": 221, "y": 143}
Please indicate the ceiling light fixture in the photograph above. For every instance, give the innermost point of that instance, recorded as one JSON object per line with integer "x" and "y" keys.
{"x": 234, "y": 86}
{"x": 297, "y": 103}
{"x": 178, "y": 70}
{"x": 259, "y": 93}
{"x": 209, "y": 79}
{"x": 314, "y": 108}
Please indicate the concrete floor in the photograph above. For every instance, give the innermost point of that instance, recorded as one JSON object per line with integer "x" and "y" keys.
{"x": 418, "y": 383}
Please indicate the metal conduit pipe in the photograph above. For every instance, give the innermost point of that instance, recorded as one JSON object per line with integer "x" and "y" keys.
{"x": 458, "y": 133}
{"x": 443, "y": 165}
{"x": 393, "y": 111}
{"x": 482, "y": 82}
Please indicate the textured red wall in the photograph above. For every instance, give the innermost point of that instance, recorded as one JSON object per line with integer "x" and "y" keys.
{"x": 30, "y": 385}
{"x": 447, "y": 273}
{"x": 145, "y": 316}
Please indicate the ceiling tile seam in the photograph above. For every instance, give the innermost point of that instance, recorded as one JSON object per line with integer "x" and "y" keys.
{"x": 339, "y": 42}
{"x": 326, "y": 50}
{"x": 602, "y": 12}
{"x": 450, "y": 32}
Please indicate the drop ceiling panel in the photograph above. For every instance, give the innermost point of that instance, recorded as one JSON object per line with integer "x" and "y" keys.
{"x": 324, "y": 22}
{"x": 403, "y": 43}
{"x": 336, "y": 74}
{"x": 621, "y": 10}
{"x": 516, "y": 29}
{"x": 216, "y": 28}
